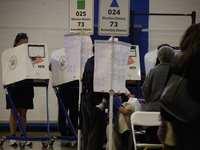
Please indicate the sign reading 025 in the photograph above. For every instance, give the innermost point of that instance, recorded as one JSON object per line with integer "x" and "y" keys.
{"x": 81, "y": 16}
{"x": 114, "y": 17}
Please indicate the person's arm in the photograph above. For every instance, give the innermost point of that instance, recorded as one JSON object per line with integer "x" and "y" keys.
{"x": 128, "y": 93}
{"x": 124, "y": 111}
{"x": 119, "y": 106}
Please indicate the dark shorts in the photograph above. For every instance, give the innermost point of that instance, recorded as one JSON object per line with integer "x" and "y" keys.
{"x": 22, "y": 97}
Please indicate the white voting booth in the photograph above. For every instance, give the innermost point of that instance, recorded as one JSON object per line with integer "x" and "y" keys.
{"x": 150, "y": 60}
{"x": 67, "y": 65}
{"x": 58, "y": 67}
{"x": 27, "y": 61}
{"x": 26, "y": 65}
{"x": 59, "y": 77}
{"x": 133, "y": 71}
{"x": 68, "y": 62}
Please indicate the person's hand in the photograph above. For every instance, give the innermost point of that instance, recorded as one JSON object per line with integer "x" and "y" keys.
{"x": 100, "y": 106}
{"x": 131, "y": 96}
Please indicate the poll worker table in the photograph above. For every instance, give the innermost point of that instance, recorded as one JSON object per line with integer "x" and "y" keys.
{"x": 24, "y": 66}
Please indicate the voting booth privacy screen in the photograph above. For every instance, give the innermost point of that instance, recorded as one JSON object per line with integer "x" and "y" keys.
{"x": 58, "y": 67}
{"x": 26, "y": 61}
{"x": 133, "y": 71}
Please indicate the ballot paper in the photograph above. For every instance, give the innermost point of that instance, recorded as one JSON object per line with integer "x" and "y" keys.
{"x": 110, "y": 66}
{"x": 78, "y": 48}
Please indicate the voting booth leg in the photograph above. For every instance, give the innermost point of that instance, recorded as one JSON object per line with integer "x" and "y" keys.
{"x": 45, "y": 140}
{"x": 51, "y": 140}
{"x": 47, "y": 108}
{"x": 68, "y": 120}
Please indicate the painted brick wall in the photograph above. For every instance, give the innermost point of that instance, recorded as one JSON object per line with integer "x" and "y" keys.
{"x": 169, "y": 29}
{"x": 45, "y": 21}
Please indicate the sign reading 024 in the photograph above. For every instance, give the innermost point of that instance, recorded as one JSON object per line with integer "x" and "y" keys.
{"x": 114, "y": 17}
{"x": 81, "y": 16}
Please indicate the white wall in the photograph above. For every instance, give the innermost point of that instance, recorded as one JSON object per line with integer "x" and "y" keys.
{"x": 169, "y": 29}
{"x": 45, "y": 21}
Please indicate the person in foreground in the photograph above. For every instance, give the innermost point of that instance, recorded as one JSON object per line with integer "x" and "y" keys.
{"x": 186, "y": 134}
{"x": 22, "y": 98}
{"x": 93, "y": 114}
{"x": 154, "y": 85}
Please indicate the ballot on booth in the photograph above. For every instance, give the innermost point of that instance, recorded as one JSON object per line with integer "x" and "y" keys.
{"x": 24, "y": 62}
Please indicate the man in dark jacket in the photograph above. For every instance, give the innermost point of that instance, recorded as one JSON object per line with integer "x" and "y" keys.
{"x": 93, "y": 121}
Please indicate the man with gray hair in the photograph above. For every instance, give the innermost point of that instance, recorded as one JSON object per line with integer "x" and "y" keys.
{"x": 155, "y": 81}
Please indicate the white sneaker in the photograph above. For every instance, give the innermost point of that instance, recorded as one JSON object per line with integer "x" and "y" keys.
{"x": 13, "y": 143}
{"x": 28, "y": 143}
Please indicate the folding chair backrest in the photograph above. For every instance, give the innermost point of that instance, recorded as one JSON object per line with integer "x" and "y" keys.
{"x": 142, "y": 118}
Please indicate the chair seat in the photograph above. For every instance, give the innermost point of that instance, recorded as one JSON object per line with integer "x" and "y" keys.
{"x": 140, "y": 132}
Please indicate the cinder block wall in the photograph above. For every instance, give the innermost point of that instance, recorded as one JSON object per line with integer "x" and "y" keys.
{"x": 169, "y": 29}
{"x": 45, "y": 21}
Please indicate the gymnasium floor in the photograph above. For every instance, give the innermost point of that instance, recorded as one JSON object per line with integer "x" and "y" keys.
{"x": 37, "y": 145}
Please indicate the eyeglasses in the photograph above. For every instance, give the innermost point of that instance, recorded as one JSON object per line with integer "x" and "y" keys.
{"x": 22, "y": 34}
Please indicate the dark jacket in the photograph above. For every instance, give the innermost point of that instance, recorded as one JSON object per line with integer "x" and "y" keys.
{"x": 153, "y": 86}
{"x": 87, "y": 83}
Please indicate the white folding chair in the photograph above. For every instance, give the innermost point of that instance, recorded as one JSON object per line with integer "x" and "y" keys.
{"x": 142, "y": 118}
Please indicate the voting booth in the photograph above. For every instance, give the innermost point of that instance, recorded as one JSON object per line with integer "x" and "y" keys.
{"x": 67, "y": 65}
{"x": 26, "y": 65}
{"x": 133, "y": 71}
{"x": 58, "y": 68}
{"x": 27, "y": 61}
{"x": 59, "y": 78}
{"x": 150, "y": 60}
